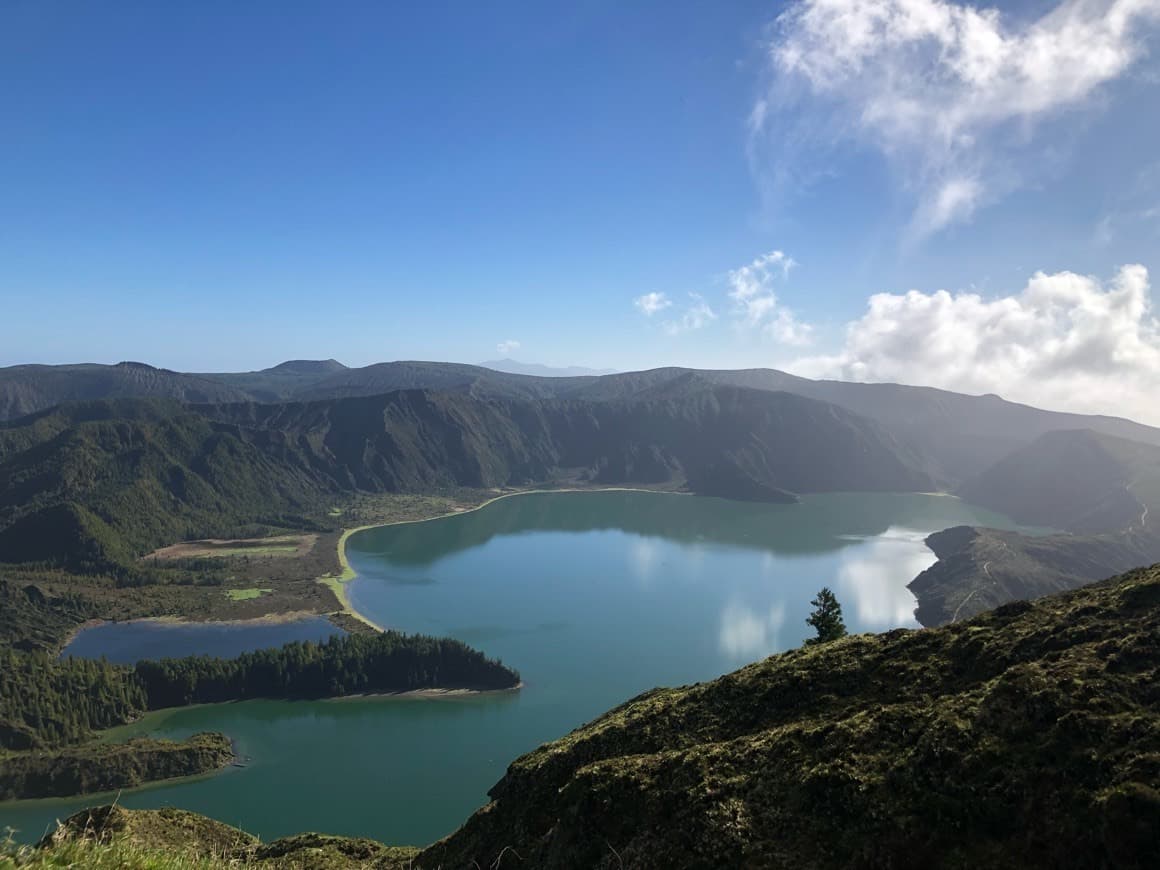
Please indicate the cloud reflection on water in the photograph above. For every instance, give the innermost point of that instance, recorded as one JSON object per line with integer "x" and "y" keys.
{"x": 872, "y": 579}
{"x": 748, "y": 633}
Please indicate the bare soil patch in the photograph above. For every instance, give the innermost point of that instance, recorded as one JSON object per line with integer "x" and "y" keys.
{"x": 287, "y": 546}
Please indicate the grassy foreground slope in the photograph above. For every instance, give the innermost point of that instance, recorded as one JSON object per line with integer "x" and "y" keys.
{"x": 1029, "y": 736}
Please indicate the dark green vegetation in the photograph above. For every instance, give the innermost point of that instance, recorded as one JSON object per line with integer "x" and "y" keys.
{"x": 342, "y": 665}
{"x": 91, "y": 487}
{"x": 965, "y": 434}
{"x": 47, "y": 703}
{"x": 826, "y": 618}
{"x": 1027, "y": 737}
{"x": 107, "y": 767}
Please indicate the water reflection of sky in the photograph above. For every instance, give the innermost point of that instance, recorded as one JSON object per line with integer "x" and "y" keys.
{"x": 870, "y": 581}
{"x": 872, "y": 578}
{"x": 747, "y": 633}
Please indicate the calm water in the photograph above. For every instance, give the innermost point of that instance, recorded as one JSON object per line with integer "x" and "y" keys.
{"x": 129, "y": 642}
{"x": 593, "y": 596}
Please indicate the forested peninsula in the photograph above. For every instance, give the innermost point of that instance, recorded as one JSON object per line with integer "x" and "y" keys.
{"x": 48, "y": 705}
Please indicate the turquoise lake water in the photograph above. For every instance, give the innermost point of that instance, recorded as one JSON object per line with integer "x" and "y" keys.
{"x": 593, "y": 596}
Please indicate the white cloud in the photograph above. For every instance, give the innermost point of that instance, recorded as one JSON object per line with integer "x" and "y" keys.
{"x": 1066, "y": 341}
{"x": 756, "y": 304}
{"x": 697, "y": 315}
{"x": 949, "y": 92}
{"x": 651, "y": 303}
{"x": 506, "y": 347}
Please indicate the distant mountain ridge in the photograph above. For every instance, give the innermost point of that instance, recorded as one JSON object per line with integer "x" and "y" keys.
{"x": 965, "y": 435}
{"x": 27, "y": 389}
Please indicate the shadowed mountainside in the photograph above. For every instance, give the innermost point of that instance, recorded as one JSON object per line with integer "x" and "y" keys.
{"x": 1079, "y": 481}
{"x": 96, "y": 484}
{"x": 1025, "y": 737}
{"x": 964, "y": 435}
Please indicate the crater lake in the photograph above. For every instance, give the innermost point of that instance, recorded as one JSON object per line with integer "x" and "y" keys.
{"x": 593, "y": 596}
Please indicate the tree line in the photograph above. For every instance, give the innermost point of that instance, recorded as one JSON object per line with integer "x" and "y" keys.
{"x": 47, "y": 702}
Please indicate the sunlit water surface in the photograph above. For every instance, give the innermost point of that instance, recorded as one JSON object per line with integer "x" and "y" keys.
{"x": 594, "y": 597}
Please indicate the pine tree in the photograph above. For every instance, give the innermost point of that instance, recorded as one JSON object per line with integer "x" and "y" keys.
{"x": 826, "y": 618}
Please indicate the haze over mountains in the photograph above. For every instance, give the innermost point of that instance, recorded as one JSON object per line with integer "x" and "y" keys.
{"x": 515, "y": 367}
{"x": 99, "y": 464}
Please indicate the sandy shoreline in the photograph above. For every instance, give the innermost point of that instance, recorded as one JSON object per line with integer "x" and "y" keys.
{"x": 337, "y": 584}
{"x": 424, "y": 693}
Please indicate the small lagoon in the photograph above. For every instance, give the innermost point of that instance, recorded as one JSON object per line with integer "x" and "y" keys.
{"x": 129, "y": 642}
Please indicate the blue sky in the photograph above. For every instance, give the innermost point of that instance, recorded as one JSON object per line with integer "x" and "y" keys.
{"x": 205, "y": 188}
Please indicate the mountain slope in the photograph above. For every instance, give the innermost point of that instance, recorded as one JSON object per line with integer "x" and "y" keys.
{"x": 962, "y": 435}
{"x": 1026, "y": 737}
{"x": 1103, "y": 491}
{"x": 1079, "y": 481}
{"x": 95, "y": 484}
{"x": 978, "y": 569}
